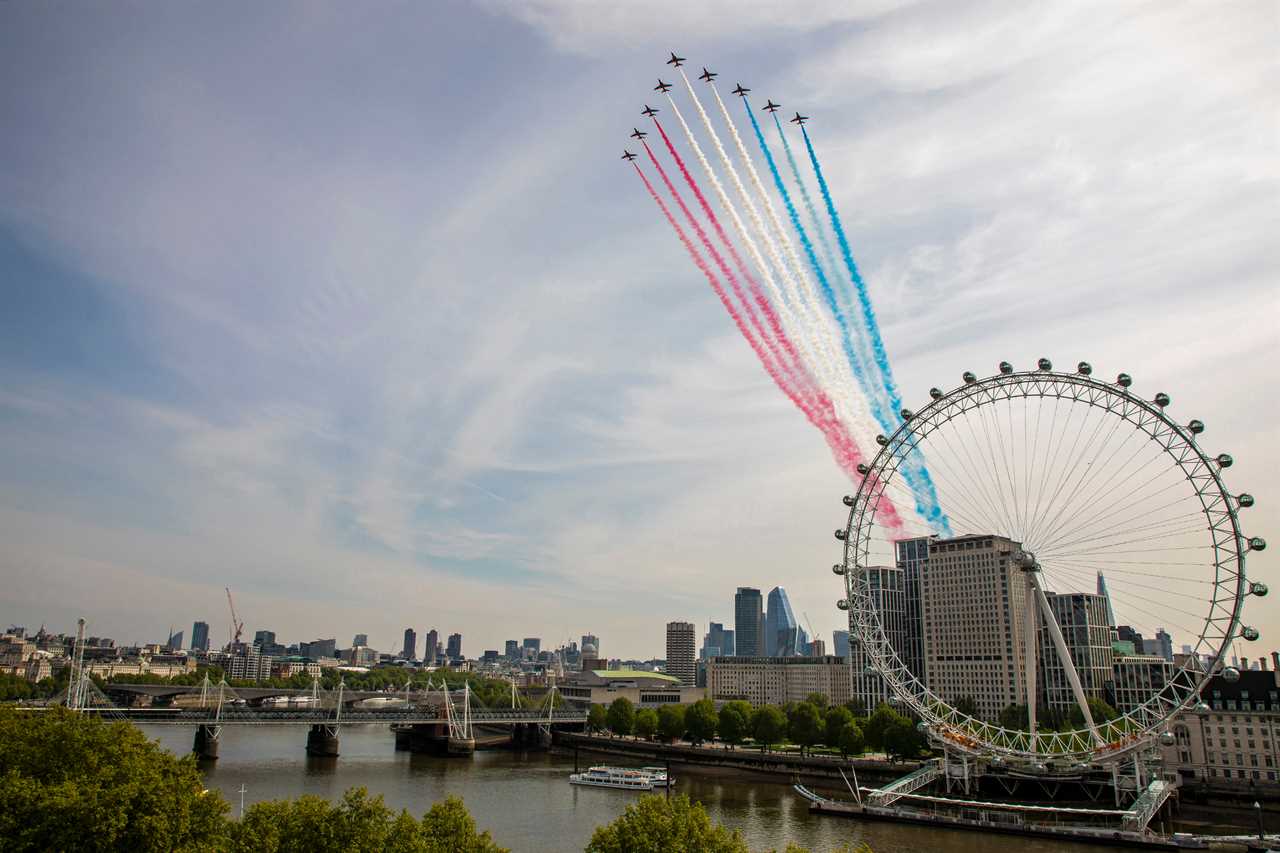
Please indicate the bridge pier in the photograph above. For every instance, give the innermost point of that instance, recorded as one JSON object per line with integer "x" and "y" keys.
{"x": 322, "y": 741}
{"x": 461, "y": 746}
{"x": 206, "y": 742}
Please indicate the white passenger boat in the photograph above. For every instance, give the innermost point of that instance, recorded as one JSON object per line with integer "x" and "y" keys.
{"x": 620, "y": 777}
{"x": 659, "y": 776}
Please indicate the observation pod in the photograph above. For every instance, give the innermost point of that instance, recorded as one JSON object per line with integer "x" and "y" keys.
{"x": 848, "y": 500}
{"x": 882, "y": 440}
{"x": 1195, "y": 427}
{"x": 1006, "y": 368}
{"x": 843, "y": 604}
{"x": 1224, "y": 460}
{"x": 1230, "y": 674}
{"x": 837, "y": 569}
{"x": 907, "y": 414}
{"x": 1257, "y": 543}
{"x": 936, "y": 393}
{"x": 1162, "y": 399}
{"x": 969, "y": 378}
{"x": 1258, "y": 588}
{"x": 1167, "y": 739}
{"x": 864, "y": 470}
{"x": 1084, "y": 368}
{"x": 1124, "y": 380}
{"x": 1044, "y": 364}
{"x": 1250, "y": 633}
{"x": 840, "y": 534}
{"x": 1244, "y": 499}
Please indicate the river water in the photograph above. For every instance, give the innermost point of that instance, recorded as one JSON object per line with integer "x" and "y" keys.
{"x": 525, "y": 801}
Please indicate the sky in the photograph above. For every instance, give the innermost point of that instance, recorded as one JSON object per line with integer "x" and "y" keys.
{"x": 354, "y": 310}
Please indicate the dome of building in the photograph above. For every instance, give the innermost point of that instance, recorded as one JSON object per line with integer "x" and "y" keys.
{"x": 589, "y": 650}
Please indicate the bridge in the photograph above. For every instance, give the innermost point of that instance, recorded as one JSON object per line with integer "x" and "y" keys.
{"x": 431, "y": 719}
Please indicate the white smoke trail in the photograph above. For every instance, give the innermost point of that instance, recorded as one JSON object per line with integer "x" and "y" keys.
{"x": 831, "y": 367}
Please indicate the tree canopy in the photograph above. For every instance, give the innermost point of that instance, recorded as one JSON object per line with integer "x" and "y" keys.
{"x": 768, "y": 726}
{"x": 646, "y": 723}
{"x": 597, "y": 718}
{"x": 657, "y": 825}
{"x": 734, "y": 723}
{"x": 700, "y": 721}
{"x": 622, "y": 716}
{"x": 671, "y": 722}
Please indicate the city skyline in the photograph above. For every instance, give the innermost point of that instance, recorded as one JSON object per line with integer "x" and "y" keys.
{"x": 301, "y": 368}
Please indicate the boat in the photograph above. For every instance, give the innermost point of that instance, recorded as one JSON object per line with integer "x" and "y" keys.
{"x": 659, "y": 776}
{"x": 619, "y": 777}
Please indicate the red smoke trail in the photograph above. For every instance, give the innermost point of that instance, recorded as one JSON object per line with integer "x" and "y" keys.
{"x": 823, "y": 415}
{"x": 762, "y": 302}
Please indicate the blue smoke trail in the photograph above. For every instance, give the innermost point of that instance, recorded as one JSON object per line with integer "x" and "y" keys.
{"x": 913, "y": 466}
{"x": 855, "y": 362}
{"x": 827, "y": 254}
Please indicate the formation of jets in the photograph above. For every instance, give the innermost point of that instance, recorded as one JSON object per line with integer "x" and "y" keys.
{"x": 708, "y": 76}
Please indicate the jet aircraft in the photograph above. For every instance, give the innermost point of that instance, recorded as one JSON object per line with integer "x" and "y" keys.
{"x": 627, "y": 155}
{"x": 637, "y": 133}
{"x": 707, "y": 75}
{"x": 771, "y": 107}
{"x": 675, "y": 61}
{"x": 662, "y": 87}
{"x": 648, "y": 111}
{"x": 741, "y": 91}
{"x": 799, "y": 119}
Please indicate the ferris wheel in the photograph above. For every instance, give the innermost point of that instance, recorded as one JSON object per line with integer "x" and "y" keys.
{"x": 1057, "y": 487}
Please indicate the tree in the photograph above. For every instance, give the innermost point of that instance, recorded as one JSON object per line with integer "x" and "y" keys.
{"x": 768, "y": 726}
{"x": 880, "y": 719}
{"x": 597, "y": 718}
{"x": 805, "y": 725}
{"x": 849, "y": 739}
{"x": 73, "y": 782}
{"x": 1101, "y": 711}
{"x": 833, "y": 721}
{"x": 646, "y": 723}
{"x": 700, "y": 721}
{"x": 856, "y": 707}
{"x": 360, "y": 824}
{"x": 622, "y": 716}
{"x": 819, "y": 700}
{"x": 735, "y": 722}
{"x": 658, "y": 825}
{"x": 1014, "y": 717}
{"x": 671, "y": 722}
{"x": 902, "y": 739}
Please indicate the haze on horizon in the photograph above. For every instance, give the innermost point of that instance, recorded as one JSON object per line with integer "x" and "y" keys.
{"x": 354, "y": 309}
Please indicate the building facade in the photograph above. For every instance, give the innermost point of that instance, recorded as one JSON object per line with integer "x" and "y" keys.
{"x": 431, "y": 648}
{"x": 680, "y": 652}
{"x": 748, "y": 622}
{"x": 410, "y": 650}
{"x": 1136, "y": 678}
{"x": 912, "y": 555}
{"x": 200, "y": 637}
{"x": 780, "y": 625}
{"x": 888, "y": 597}
{"x": 777, "y": 680}
{"x": 1235, "y": 742}
{"x": 973, "y": 596}
{"x": 1082, "y": 617}
{"x": 454, "y": 650}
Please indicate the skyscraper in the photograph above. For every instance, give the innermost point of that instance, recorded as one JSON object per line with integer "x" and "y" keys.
{"x": 512, "y": 650}
{"x": 533, "y": 646}
{"x": 780, "y": 625}
{"x": 680, "y": 649}
{"x": 888, "y": 597}
{"x": 748, "y": 622}
{"x": 913, "y": 554}
{"x": 454, "y": 649}
{"x": 200, "y": 637}
{"x": 357, "y": 640}
{"x": 1082, "y": 618}
{"x": 1106, "y": 597}
{"x": 430, "y": 650}
{"x": 175, "y": 641}
{"x": 840, "y": 643}
{"x": 728, "y": 645}
{"x": 410, "y": 650}
{"x": 264, "y": 638}
{"x": 713, "y": 642}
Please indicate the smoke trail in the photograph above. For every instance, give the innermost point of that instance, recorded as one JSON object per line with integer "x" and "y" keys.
{"x": 793, "y": 362}
{"x": 828, "y": 254}
{"x": 855, "y": 360}
{"x": 845, "y": 451}
{"x": 828, "y": 365}
{"x": 928, "y": 501}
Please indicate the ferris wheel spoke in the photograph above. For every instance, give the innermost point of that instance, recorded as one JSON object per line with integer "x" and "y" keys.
{"x": 1074, "y": 472}
{"x": 1135, "y": 506}
{"x": 971, "y": 468}
{"x": 959, "y": 484}
{"x": 996, "y": 479}
{"x": 1174, "y": 525}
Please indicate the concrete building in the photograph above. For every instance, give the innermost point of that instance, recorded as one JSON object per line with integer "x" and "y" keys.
{"x": 888, "y": 597}
{"x": 512, "y": 650}
{"x": 972, "y": 595}
{"x": 713, "y": 642}
{"x": 264, "y": 638}
{"x": 1083, "y": 619}
{"x": 360, "y": 640}
{"x": 410, "y": 650}
{"x": 643, "y": 689}
{"x": 200, "y": 637}
{"x": 248, "y": 663}
{"x": 317, "y": 649}
{"x": 840, "y": 643}
{"x": 532, "y": 647}
{"x": 777, "y": 680}
{"x": 288, "y": 667}
{"x": 431, "y": 648}
{"x": 591, "y": 659}
{"x": 591, "y": 639}
{"x": 817, "y": 649}
{"x": 1136, "y": 678}
{"x": 1235, "y": 744}
{"x": 454, "y": 650}
{"x": 680, "y": 651}
{"x": 748, "y": 622}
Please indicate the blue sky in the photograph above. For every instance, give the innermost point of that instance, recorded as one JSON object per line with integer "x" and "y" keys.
{"x": 353, "y": 309}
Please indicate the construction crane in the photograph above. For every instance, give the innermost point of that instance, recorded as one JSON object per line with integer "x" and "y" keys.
{"x": 809, "y": 622}
{"x": 236, "y": 625}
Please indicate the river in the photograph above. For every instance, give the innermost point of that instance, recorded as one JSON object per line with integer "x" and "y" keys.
{"x": 525, "y": 801}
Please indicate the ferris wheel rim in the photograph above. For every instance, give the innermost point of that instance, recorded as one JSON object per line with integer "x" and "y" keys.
{"x": 1217, "y": 505}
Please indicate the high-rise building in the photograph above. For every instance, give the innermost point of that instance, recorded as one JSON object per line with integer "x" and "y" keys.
{"x": 533, "y": 646}
{"x": 748, "y": 622}
{"x": 359, "y": 640}
{"x": 267, "y": 638}
{"x": 1106, "y": 597}
{"x": 889, "y": 598}
{"x": 1136, "y": 678}
{"x": 454, "y": 649}
{"x": 779, "y": 623}
{"x": 817, "y": 649}
{"x": 200, "y": 637}
{"x": 713, "y": 642}
{"x": 512, "y": 651}
{"x": 317, "y": 649}
{"x": 175, "y": 641}
{"x": 431, "y": 648}
{"x": 410, "y": 650}
{"x": 912, "y": 555}
{"x": 840, "y": 643}
{"x": 728, "y": 647}
{"x": 1082, "y": 618}
{"x": 973, "y": 596}
{"x": 680, "y": 651}
{"x": 1162, "y": 645}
